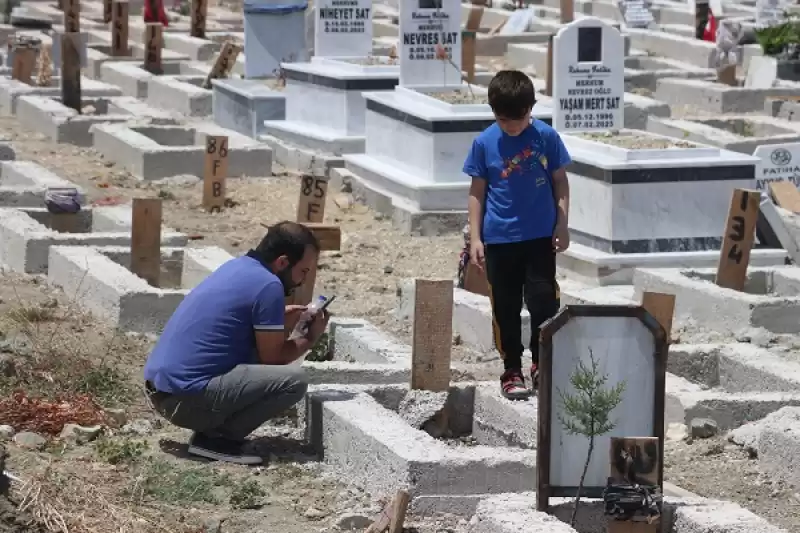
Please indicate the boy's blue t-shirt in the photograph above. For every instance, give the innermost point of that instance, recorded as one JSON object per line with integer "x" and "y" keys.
{"x": 213, "y": 329}
{"x": 520, "y": 204}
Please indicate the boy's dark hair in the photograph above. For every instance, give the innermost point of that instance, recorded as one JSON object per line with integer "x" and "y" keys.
{"x": 511, "y": 94}
{"x": 286, "y": 238}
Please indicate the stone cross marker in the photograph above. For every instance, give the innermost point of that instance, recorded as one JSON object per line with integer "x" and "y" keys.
{"x": 424, "y": 26}
{"x": 343, "y": 28}
{"x": 777, "y": 163}
{"x": 588, "y": 77}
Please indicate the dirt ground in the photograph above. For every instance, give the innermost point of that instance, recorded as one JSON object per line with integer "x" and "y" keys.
{"x": 139, "y": 480}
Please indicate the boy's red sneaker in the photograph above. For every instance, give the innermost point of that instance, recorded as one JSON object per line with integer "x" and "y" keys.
{"x": 535, "y": 377}
{"x": 512, "y": 385}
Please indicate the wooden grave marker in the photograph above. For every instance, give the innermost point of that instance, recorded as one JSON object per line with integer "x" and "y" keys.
{"x": 224, "y": 63}
{"x": 24, "y": 62}
{"x": 153, "y": 43}
{"x": 567, "y": 8}
{"x": 146, "y": 239}
{"x": 468, "y": 42}
{"x": 740, "y": 231}
{"x": 215, "y": 172}
{"x": 199, "y": 16}
{"x": 72, "y": 16}
{"x": 311, "y": 209}
{"x": 432, "y": 341}
{"x": 393, "y": 514}
{"x": 107, "y": 10}
{"x": 662, "y": 307}
{"x": 119, "y": 28}
{"x": 786, "y": 195}
{"x": 548, "y": 83}
{"x": 71, "y": 70}
{"x": 635, "y": 453}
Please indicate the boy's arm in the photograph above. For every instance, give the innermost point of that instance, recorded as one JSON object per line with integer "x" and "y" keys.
{"x": 560, "y": 159}
{"x": 475, "y": 167}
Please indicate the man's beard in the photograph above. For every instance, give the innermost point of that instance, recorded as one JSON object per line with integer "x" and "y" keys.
{"x": 285, "y": 276}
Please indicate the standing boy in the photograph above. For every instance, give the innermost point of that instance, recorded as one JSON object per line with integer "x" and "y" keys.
{"x": 518, "y": 209}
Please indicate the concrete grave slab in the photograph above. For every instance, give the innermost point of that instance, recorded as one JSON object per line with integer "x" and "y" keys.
{"x": 182, "y": 94}
{"x": 99, "y": 54}
{"x": 195, "y": 48}
{"x": 683, "y": 48}
{"x": 776, "y": 441}
{"x": 101, "y": 281}
{"x": 62, "y": 124}
{"x": 133, "y": 80}
{"x": 26, "y": 235}
{"x": 11, "y": 90}
{"x": 692, "y": 183}
{"x": 732, "y": 384}
{"x": 717, "y": 97}
{"x": 515, "y": 513}
{"x": 782, "y": 108}
{"x": 325, "y": 109}
{"x": 438, "y": 132}
{"x": 741, "y": 134}
{"x": 24, "y": 184}
{"x": 244, "y": 105}
{"x": 155, "y": 152}
{"x": 595, "y": 267}
{"x": 770, "y": 300}
{"x": 643, "y": 71}
{"x": 441, "y": 475}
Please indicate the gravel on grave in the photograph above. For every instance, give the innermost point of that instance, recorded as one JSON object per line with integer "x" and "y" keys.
{"x": 635, "y": 142}
{"x": 371, "y": 61}
{"x": 460, "y": 97}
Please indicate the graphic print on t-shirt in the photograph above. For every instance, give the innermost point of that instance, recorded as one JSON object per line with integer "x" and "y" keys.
{"x": 523, "y": 162}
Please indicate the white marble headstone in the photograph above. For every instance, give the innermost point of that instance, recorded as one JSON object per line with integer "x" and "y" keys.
{"x": 770, "y": 13}
{"x": 425, "y": 26}
{"x": 518, "y": 22}
{"x": 762, "y": 72}
{"x": 777, "y": 162}
{"x": 343, "y": 28}
{"x": 636, "y": 13}
{"x": 588, "y": 77}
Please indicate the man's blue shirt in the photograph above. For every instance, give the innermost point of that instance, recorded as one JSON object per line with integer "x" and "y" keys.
{"x": 520, "y": 204}
{"x": 213, "y": 329}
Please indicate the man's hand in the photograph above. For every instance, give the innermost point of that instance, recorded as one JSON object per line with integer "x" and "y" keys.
{"x": 561, "y": 237}
{"x": 293, "y": 312}
{"x": 476, "y": 254}
{"x": 317, "y": 326}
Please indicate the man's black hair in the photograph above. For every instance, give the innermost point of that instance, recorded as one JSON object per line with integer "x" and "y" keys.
{"x": 511, "y": 94}
{"x": 286, "y": 238}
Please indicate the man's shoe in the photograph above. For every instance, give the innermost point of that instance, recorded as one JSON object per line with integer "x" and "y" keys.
{"x": 535, "y": 377}
{"x": 512, "y": 385}
{"x": 218, "y": 449}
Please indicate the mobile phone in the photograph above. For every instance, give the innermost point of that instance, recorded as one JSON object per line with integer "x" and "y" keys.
{"x": 327, "y": 303}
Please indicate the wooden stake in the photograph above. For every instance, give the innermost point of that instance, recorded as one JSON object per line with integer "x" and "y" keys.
{"x": 641, "y": 453}
{"x": 153, "y": 42}
{"x": 328, "y": 235}
{"x": 199, "y": 14}
{"x": 738, "y": 241}
{"x": 432, "y": 335}
{"x": 107, "y": 8}
{"x": 785, "y": 195}
{"x": 72, "y": 16}
{"x": 71, "y": 70}
{"x": 393, "y": 515}
{"x": 215, "y": 172}
{"x": 468, "y": 42}
{"x": 567, "y": 11}
{"x": 119, "y": 28}
{"x": 313, "y": 195}
{"x": 23, "y": 64}
{"x": 548, "y": 84}
{"x": 146, "y": 239}
{"x": 224, "y": 63}
{"x": 662, "y": 307}
{"x": 727, "y": 75}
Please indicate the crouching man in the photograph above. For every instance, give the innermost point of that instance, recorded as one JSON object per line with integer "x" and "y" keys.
{"x": 221, "y": 367}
